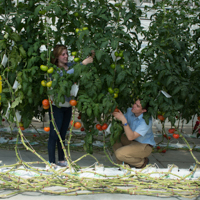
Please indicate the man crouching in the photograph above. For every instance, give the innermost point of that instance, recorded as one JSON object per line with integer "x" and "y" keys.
{"x": 137, "y": 142}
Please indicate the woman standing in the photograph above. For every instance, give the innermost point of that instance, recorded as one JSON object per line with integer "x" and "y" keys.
{"x": 62, "y": 115}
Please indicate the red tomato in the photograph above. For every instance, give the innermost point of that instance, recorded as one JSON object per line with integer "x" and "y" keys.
{"x": 171, "y": 130}
{"x": 116, "y": 110}
{"x": 73, "y": 102}
{"x": 47, "y": 129}
{"x": 22, "y": 128}
{"x": 45, "y": 102}
{"x": 105, "y": 126}
{"x": 175, "y": 135}
{"x": 164, "y": 150}
{"x": 161, "y": 118}
{"x": 71, "y": 122}
{"x": 82, "y": 129}
{"x": 169, "y": 138}
{"x": 98, "y": 126}
{"x": 46, "y": 107}
{"x": 79, "y": 117}
{"x": 165, "y": 136}
{"x": 158, "y": 147}
{"x": 77, "y": 125}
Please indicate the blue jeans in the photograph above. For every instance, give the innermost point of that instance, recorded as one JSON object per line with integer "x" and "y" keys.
{"x": 62, "y": 117}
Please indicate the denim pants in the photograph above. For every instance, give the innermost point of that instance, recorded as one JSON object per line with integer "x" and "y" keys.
{"x": 62, "y": 117}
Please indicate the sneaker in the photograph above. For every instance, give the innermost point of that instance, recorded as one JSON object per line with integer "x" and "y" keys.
{"x": 62, "y": 164}
{"x": 53, "y": 166}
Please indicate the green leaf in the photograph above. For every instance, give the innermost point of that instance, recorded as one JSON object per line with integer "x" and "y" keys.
{"x": 169, "y": 80}
{"x": 96, "y": 110}
{"x": 22, "y": 52}
{"x": 120, "y": 78}
{"x": 15, "y": 37}
{"x": 17, "y": 101}
{"x": 100, "y": 97}
{"x": 99, "y": 54}
{"x": 176, "y": 90}
{"x": 37, "y": 9}
{"x": 89, "y": 111}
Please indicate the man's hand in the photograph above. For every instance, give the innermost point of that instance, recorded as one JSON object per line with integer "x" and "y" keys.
{"x": 120, "y": 116}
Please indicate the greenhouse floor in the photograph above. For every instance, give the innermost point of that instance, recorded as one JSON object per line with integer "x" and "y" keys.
{"x": 181, "y": 158}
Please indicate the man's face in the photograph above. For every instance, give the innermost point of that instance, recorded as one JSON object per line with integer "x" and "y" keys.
{"x": 137, "y": 108}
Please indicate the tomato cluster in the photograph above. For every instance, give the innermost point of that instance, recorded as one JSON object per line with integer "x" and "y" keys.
{"x": 76, "y": 125}
{"x": 103, "y": 127}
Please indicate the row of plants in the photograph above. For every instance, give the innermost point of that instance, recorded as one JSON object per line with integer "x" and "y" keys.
{"x": 115, "y": 78}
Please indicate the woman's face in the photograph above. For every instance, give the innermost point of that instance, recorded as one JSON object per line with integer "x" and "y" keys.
{"x": 63, "y": 58}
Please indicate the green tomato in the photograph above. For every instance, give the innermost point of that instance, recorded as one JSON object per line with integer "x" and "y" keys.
{"x": 49, "y": 84}
{"x": 43, "y": 67}
{"x": 116, "y": 90}
{"x": 118, "y": 5}
{"x": 43, "y": 83}
{"x": 77, "y": 30}
{"x": 116, "y": 54}
{"x": 115, "y": 95}
{"x": 122, "y": 66}
{"x": 74, "y": 53}
{"x": 76, "y": 14}
{"x": 121, "y": 54}
{"x": 21, "y": 124}
{"x": 112, "y": 65}
{"x": 85, "y": 28}
{"x": 50, "y": 70}
{"x": 76, "y": 59}
{"x": 110, "y": 90}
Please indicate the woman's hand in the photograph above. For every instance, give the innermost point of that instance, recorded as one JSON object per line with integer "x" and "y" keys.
{"x": 89, "y": 59}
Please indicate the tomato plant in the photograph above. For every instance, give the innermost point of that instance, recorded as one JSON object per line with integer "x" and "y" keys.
{"x": 47, "y": 129}
{"x": 73, "y": 102}
{"x": 166, "y": 54}
{"x": 176, "y": 136}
